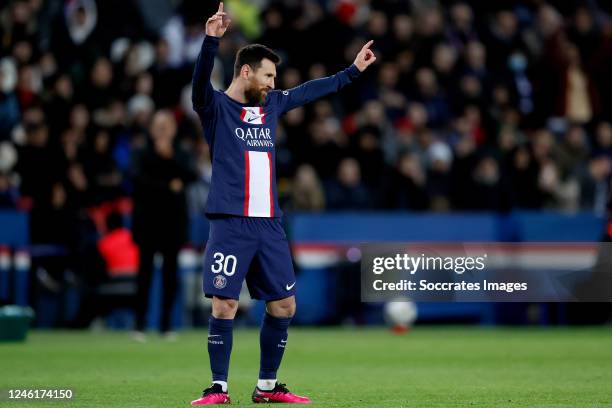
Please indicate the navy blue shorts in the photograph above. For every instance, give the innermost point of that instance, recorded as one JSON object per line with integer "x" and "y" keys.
{"x": 253, "y": 248}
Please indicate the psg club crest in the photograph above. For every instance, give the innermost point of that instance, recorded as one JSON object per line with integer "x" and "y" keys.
{"x": 219, "y": 281}
{"x": 253, "y": 115}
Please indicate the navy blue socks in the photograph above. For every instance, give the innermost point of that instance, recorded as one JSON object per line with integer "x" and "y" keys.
{"x": 272, "y": 341}
{"x": 220, "y": 347}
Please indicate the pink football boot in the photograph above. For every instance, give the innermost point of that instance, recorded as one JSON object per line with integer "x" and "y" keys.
{"x": 213, "y": 395}
{"x": 279, "y": 394}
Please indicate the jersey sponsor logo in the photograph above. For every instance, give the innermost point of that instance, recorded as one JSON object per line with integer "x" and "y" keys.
{"x": 255, "y": 136}
{"x": 253, "y": 115}
{"x": 219, "y": 282}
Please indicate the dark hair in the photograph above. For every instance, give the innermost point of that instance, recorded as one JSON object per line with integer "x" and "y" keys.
{"x": 252, "y": 55}
{"x": 114, "y": 221}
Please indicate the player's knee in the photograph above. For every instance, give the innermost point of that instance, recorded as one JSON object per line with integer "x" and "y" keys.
{"x": 224, "y": 308}
{"x": 282, "y": 308}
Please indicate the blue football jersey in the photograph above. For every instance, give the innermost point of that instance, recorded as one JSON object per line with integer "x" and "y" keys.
{"x": 242, "y": 137}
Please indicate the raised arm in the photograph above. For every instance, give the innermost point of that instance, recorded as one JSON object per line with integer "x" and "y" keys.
{"x": 317, "y": 88}
{"x": 202, "y": 90}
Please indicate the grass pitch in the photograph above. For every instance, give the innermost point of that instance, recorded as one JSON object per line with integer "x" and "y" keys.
{"x": 430, "y": 367}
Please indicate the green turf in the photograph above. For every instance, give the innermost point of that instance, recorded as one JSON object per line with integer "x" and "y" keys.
{"x": 430, "y": 367}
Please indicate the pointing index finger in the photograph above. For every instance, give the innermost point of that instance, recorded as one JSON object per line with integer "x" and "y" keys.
{"x": 367, "y": 45}
{"x": 220, "y": 7}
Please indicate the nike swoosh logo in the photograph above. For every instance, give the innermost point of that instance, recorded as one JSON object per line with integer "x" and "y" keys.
{"x": 250, "y": 120}
{"x": 283, "y": 341}
{"x": 289, "y": 287}
{"x": 214, "y": 335}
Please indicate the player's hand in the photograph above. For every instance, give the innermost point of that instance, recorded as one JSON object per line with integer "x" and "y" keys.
{"x": 365, "y": 57}
{"x": 218, "y": 23}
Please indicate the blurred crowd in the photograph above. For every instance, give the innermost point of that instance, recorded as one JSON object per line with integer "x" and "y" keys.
{"x": 472, "y": 105}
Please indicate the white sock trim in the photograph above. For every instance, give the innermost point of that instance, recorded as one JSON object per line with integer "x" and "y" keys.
{"x": 223, "y": 385}
{"x": 266, "y": 385}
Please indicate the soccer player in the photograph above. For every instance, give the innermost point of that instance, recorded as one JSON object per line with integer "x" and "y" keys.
{"x": 246, "y": 238}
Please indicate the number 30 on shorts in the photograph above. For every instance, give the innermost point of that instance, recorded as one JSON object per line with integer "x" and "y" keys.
{"x": 225, "y": 264}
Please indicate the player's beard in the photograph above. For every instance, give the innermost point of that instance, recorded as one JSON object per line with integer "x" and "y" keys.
{"x": 255, "y": 95}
